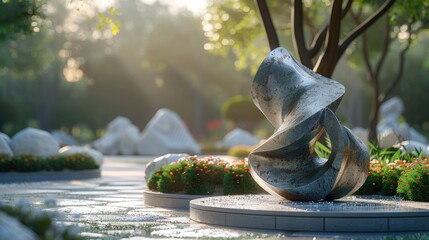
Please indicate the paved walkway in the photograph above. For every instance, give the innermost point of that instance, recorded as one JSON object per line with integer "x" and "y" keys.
{"x": 111, "y": 207}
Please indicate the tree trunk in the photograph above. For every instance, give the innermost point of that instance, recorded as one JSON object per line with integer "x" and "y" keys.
{"x": 375, "y": 106}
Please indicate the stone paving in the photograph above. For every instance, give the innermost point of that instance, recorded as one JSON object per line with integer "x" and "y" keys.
{"x": 112, "y": 207}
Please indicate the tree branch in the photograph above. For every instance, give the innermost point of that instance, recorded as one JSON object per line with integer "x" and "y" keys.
{"x": 400, "y": 72}
{"x": 365, "y": 51}
{"x": 321, "y": 35}
{"x": 364, "y": 26}
{"x": 327, "y": 60}
{"x": 385, "y": 50}
{"x": 268, "y": 24}
{"x": 298, "y": 34}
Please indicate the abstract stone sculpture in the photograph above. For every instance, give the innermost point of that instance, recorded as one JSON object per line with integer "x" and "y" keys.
{"x": 300, "y": 104}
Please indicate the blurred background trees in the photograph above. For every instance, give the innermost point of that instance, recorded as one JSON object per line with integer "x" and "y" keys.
{"x": 59, "y": 70}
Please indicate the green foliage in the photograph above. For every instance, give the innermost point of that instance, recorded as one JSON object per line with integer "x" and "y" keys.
{"x": 29, "y": 163}
{"x": 19, "y": 17}
{"x": 203, "y": 177}
{"x": 42, "y": 224}
{"x": 200, "y": 179}
{"x": 241, "y": 110}
{"x": 374, "y": 180}
{"x": 170, "y": 179}
{"x": 152, "y": 183}
{"x": 240, "y": 151}
{"x": 395, "y": 173}
{"x": 80, "y": 161}
{"x": 238, "y": 180}
{"x": 390, "y": 176}
{"x": 32, "y": 163}
{"x": 6, "y": 163}
{"x": 413, "y": 183}
{"x": 322, "y": 150}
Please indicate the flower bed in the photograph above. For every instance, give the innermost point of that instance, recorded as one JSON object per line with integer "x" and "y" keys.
{"x": 204, "y": 176}
{"x": 395, "y": 173}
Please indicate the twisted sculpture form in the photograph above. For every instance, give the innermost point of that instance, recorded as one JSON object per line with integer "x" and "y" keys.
{"x": 299, "y": 104}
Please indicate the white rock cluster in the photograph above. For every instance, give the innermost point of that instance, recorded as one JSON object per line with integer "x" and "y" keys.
{"x": 391, "y": 132}
{"x": 238, "y": 137}
{"x": 41, "y": 143}
{"x": 165, "y": 133}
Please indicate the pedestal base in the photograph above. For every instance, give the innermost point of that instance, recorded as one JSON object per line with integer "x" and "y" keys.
{"x": 349, "y": 214}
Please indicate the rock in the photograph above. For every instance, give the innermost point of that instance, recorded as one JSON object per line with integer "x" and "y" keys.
{"x": 5, "y": 137}
{"x": 11, "y": 228}
{"x": 391, "y": 109}
{"x": 4, "y": 144}
{"x": 34, "y": 141}
{"x": 96, "y": 155}
{"x": 239, "y": 137}
{"x": 362, "y": 134}
{"x": 63, "y": 138}
{"x": 413, "y": 147}
{"x": 127, "y": 140}
{"x": 120, "y": 138}
{"x": 107, "y": 144}
{"x": 155, "y": 164}
{"x": 166, "y": 133}
{"x": 388, "y": 138}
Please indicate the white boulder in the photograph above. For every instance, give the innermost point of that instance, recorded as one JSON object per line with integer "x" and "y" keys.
{"x": 4, "y": 144}
{"x": 388, "y": 138}
{"x": 120, "y": 138}
{"x": 5, "y": 137}
{"x": 391, "y": 109}
{"x": 11, "y": 228}
{"x": 34, "y": 141}
{"x": 237, "y": 137}
{"x": 413, "y": 147}
{"x": 166, "y": 133}
{"x": 96, "y": 155}
{"x": 63, "y": 138}
{"x": 155, "y": 164}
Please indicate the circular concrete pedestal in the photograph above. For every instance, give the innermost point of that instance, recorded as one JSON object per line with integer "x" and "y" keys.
{"x": 349, "y": 214}
{"x": 169, "y": 200}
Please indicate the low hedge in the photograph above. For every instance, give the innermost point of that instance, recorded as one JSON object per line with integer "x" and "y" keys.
{"x": 203, "y": 177}
{"x": 33, "y": 163}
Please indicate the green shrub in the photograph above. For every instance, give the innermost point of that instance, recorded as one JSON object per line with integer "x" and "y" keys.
{"x": 237, "y": 180}
{"x": 57, "y": 162}
{"x": 390, "y": 176}
{"x": 242, "y": 111}
{"x": 152, "y": 183}
{"x": 240, "y": 151}
{"x": 6, "y": 163}
{"x": 199, "y": 178}
{"x": 413, "y": 183}
{"x": 171, "y": 179}
{"x": 79, "y": 161}
{"x": 373, "y": 183}
{"x": 29, "y": 163}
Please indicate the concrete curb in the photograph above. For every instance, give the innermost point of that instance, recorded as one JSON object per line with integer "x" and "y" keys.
{"x": 169, "y": 200}
{"x": 20, "y": 177}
